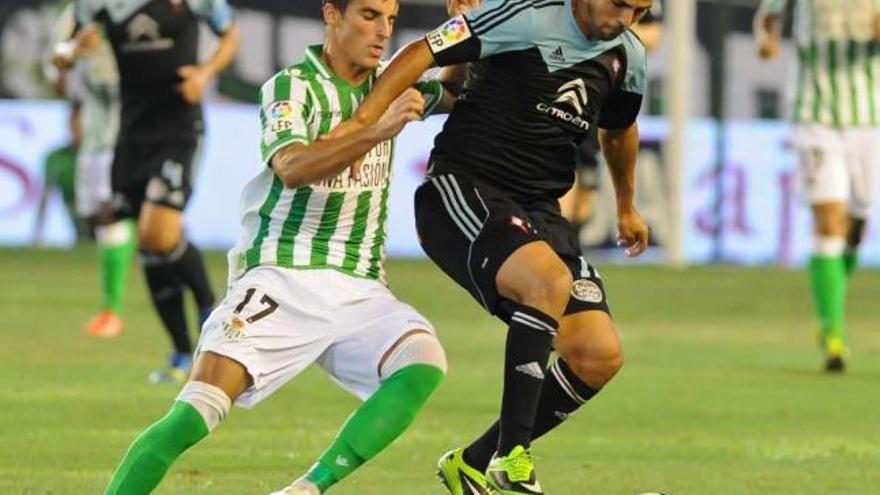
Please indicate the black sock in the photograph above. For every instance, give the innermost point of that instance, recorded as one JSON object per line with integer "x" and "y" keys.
{"x": 166, "y": 290}
{"x": 562, "y": 394}
{"x": 190, "y": 266}
{"x": 529, "y": 341}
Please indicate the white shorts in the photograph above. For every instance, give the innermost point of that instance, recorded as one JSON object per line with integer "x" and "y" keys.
{"x": 839, "y": 165}
{"x": 93, "y": 182}
{"x": 277, "y": 321}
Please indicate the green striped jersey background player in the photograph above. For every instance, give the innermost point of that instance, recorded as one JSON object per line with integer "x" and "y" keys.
{"x": 338, "y": 223}
{"x": 838, "y": 78}
{"x": 94, "y": 83}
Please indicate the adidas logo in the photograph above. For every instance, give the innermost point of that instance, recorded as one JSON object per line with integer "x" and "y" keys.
{"x": 557, "y": 54}
{"x": 341, "y": 461}
{"x": 532, "y": 369}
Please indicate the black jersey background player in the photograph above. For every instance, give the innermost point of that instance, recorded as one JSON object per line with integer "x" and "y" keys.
{"x": 544, "y": 73}
{"x": 579, "y": 203}
{"x": 161, "y": 81}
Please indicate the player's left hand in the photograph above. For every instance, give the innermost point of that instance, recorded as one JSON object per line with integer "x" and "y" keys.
{"x": 195, "y": 78}
{"x": 633, "y": 233}
{"x": 459, "y": 7}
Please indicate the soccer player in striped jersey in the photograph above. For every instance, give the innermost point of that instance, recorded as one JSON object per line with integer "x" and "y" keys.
{"x": 94, "y": 83}
{"x": 836, "y": 111}
{"x": 307, "y": 277}
{"x": 542, "y": 74}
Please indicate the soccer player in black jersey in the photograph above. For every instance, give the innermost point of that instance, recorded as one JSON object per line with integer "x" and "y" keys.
{"x": 543, "y": 73}
{"x": 156, "y": 47}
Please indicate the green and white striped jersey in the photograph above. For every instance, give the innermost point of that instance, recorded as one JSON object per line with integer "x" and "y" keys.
{"x": 837, "y": 78}
{"x": 337, "y": 223}
{"x": 94, "y": 83}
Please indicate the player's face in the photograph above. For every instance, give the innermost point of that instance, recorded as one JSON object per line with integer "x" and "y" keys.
{"x": 364, "y": 29}
{"x": 608, "y": 19}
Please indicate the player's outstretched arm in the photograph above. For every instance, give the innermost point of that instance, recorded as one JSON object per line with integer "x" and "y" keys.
{"x": 767, "y": 27}
{"x": 402, "y": 73}
{"x": 298, "y": 164}
{"x": 621, "y": 149}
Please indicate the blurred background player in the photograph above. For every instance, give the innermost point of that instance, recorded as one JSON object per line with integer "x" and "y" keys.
{"x": 93, "y": 82}
{"x": 59, "y": 172}
{"x": 835, "y": 111}
{"x": 579, "y": 203}
{"x": 155, "y": 43}
{"x": 307, "y": 275}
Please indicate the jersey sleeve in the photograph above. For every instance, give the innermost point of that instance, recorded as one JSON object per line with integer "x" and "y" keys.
{"x": 496, "y": 26}
{"x": 622, "y": 106}
{"x": 217, "y": 13}
{"x": 775, "y": 7}
{"x": 285, "y": 110}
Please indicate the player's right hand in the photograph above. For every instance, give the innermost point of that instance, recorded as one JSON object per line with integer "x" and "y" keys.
{"x": 406, "y": 108}
{"x": 87, "y": 39}
{"x": 768, "y": 48}
{"x": 66, "y": 52}
{"x": 459, "y": 7}
{"x": 633, "y": 234}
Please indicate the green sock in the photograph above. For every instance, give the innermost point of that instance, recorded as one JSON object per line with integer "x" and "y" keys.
{"x": 850, "y": 261}
{"x": 152, "y": 453}
{"x": 376, "y": 423}
{"x": 116, "y": 247}
{"x": 828, "y": 281}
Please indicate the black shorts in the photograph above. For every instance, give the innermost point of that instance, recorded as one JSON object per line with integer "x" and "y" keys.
{"x": 158, "y": 172}
{"x": 469, "y": 230}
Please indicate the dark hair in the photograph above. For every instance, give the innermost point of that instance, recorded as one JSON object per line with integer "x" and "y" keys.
{"x": 339, "y": 4}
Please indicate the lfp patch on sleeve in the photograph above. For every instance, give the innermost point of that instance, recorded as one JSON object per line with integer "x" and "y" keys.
{"x": 451, "y": 33}
{"x": 281, "y": 116}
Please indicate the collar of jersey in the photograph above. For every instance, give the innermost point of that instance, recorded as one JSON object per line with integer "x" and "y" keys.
{"x": 313, "y": 56}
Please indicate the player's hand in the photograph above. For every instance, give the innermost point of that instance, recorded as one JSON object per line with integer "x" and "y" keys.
{"x": 632, "y": 233}
{"x": 458, "y": 7}
{"x": 768, "y": 47}
{"x": 66, "y": 52}
{"x": 408, "y": 107}
{"x": 195, "y": 78}
{"x": 87, "y": 39}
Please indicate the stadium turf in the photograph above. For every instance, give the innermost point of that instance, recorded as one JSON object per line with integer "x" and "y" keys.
{"x": 721, "y": 393}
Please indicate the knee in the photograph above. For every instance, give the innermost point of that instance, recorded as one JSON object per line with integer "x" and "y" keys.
{"x": 211, "y": 402}
{"x": 418, "y": 348}
{"x": 157, "y": 240}
{"x": 595, "y": 365}
{"x": 831, "y": 224}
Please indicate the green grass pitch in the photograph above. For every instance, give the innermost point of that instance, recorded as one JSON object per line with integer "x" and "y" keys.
{"x": 721, "y": 393}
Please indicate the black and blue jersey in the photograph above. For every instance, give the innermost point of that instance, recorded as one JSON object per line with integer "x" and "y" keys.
{"x": 535, "y": 88}
{"x": 151, "y": 40}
